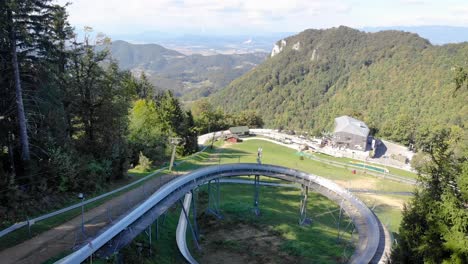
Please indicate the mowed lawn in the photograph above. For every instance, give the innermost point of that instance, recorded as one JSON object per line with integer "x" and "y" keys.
{"x": 283, "y": 156}
{"x": 386, "y": 206}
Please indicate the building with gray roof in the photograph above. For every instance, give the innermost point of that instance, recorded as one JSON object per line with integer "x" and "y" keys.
{"x": 350, "y": 133}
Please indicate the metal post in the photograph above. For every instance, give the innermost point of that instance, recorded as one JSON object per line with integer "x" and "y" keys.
{"x": 29, "y": 226}
{"x": 194, "y": 236}
{"x": 82, "y": 214}
{"x": 346, "y": 228}
{"x": 213, "y": 198}
{"x": 150, "y": 230}
{"x": 174, "y": 141}
{"x": 212, "y": 141}
{"x": 256, "y": 194}
{"x": 303, "y": 219}
{"x": 194, "y": 215}
{"x": 157, "y": 228}
{"x": 164, "y": 219}
{"x": 109, "y": 217}
{"x": 339, "y": 218}
{"x": 172, "y": 157}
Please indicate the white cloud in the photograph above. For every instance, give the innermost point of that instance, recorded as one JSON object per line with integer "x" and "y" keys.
{"x": 267, "y": 15}
{"x": 412, "y": 2}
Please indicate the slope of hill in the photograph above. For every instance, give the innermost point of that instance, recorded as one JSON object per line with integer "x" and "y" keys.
{"x": 435, "y": 34}
{"x": 395, "y": 81}
{"x": 150, "y": 56}
{"x": 190, "y": 76}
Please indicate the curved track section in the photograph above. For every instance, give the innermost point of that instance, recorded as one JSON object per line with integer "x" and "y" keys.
{"x": 129, "y": 226}
{"x": 182, "y": 231}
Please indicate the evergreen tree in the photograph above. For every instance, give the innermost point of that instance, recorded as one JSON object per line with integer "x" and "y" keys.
{"x": 435, "y": 223}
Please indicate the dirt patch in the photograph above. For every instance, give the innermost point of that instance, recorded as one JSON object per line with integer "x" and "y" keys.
{"x": 381, "y": 199}
{"x": 237, "y": 242}
{"x": 368, "y": 183}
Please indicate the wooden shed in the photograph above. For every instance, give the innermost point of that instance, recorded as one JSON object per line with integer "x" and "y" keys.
{"x": 233, "y": 138}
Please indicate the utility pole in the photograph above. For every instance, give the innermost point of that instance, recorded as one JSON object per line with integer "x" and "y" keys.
{"x": 174, "y": 141}
{"x": 213, "y": 139}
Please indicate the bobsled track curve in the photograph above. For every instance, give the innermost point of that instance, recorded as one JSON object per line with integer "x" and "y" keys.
{"x": 372, "y": 245}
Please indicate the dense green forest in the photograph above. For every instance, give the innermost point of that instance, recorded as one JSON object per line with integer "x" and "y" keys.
{"x": 397, "y": 82}
{"x": 209, "y": 118}
{"x": 70, "y": 120}
{"x": 187, "y": 76}
{"x": 434, "y": 228}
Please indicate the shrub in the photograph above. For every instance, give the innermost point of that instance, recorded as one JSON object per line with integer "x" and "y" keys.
{"x": 144, "y": 163}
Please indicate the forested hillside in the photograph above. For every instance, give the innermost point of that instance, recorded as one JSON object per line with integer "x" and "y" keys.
{"x": 70, "y": 120}
{"x": 191, "y": 76}
{"x": 397, "y": 82}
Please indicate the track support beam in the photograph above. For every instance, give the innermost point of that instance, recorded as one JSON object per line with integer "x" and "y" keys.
{"x": 192, "y": 230}
{"x": 303, "y": 219}
{"x": 213, "y": 198}
{"x": 256, "y": 209}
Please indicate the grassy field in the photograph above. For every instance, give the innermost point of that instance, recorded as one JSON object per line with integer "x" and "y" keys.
{"x": 385, "y": 206}
{"x": 392, "y": 170}
{"x": 279, "y": 206}
{"x": 279, "y": 155}
{"x": 237, "y": 200}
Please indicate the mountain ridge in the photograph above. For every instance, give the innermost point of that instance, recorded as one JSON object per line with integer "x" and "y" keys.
{"x": 188, "y": 76}
{"x": 378, "y": 77}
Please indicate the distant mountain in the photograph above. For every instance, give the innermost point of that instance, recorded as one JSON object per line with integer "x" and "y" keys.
{"x": 151, "y": 56}
{"x": 208, "y": 44}
{"x": 435, "y": 34}
{"x": 188, "y": 76}
{"x": 397, "y": 82}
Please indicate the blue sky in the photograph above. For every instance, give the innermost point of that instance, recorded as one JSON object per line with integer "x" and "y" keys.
{"x": 253, "y": 16}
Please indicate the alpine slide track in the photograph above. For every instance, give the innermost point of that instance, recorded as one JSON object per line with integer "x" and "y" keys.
{"x": 373, "y": 244}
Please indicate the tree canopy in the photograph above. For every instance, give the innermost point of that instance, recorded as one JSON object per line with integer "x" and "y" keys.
{"x": 85, "y": 120}
{"x": 435, "y": 223}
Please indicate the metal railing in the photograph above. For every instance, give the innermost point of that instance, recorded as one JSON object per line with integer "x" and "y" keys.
{"x": 32, "y": 221}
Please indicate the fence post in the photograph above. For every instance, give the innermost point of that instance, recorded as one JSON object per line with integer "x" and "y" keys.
{"x": 29, "y": 226}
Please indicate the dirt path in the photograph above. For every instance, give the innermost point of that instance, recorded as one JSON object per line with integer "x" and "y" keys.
{"x": 65, "y": 236}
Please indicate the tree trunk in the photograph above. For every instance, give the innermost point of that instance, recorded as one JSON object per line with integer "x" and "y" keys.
{"x": 25, "y": 155}
{"x": 12, "y": 160}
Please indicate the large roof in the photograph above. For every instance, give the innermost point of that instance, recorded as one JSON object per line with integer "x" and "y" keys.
{"x": 351, "y": 125}
{"x": 239, "y": 129}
